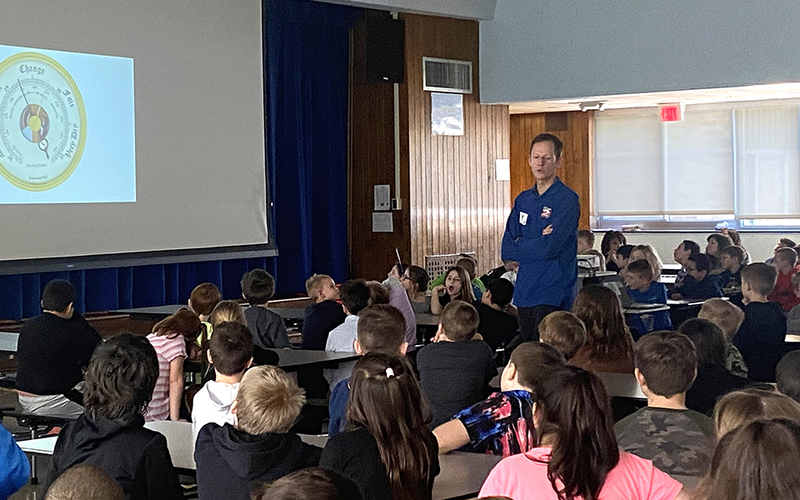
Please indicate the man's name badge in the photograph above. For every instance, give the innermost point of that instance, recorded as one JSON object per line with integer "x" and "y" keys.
{"x": 523, "y": 218}
{"x": 546, "y": 212}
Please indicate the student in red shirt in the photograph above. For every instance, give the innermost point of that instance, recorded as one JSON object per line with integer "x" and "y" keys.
{"x": 786, "y": 263}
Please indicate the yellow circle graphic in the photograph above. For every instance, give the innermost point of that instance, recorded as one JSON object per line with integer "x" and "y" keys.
{"x": 42, "y": 122}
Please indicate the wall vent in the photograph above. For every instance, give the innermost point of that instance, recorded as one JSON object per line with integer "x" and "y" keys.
{"x": 446, "y": 75}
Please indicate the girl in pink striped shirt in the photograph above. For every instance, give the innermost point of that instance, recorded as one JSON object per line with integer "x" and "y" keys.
{"x": 169, "y": 339}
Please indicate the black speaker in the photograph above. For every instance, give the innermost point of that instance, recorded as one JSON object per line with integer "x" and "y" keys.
{"x": 383, "y": 49}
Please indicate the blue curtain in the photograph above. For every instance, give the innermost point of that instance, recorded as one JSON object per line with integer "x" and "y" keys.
{"x": 306, "y": 56}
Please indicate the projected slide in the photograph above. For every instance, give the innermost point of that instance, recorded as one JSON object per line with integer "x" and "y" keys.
{"x": 66, "y": 127}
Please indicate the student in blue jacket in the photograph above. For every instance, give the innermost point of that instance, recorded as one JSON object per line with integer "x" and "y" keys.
{"x": 14, "y": 467}
{"x": 542, "y": 235}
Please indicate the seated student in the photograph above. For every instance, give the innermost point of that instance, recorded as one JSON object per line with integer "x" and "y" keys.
{"x": 609, "y": 344}
{"x": 227, "y": 310}
{"x": 507, "y": 271}
{"x": 717, "y": 242}
{"x": 621, "y": 258}
{"x": 761, "y": 337}
{"x": 782, "y": 243}
{"x": 503, "y": 423}
{"x": 84, "y": 482}
{"x": 398, "y": 297}
{"x": 355, "y": 297}
{"x": 397, "y": 271}
{"x": 648, "y": 253}
{"x": 681, "y": 254}
{"x": 642, "y": 289}
{"x": 739, "y": 408}
{"x": 704, "y": 285}
{"x": 496, "y": 326}
{"x": 323, "y": 315}
{"x": 728, "y": 318}
{"x": 564, "y": 331}
{"x": 415, "y": 280}
{"x": 230, "y": 351}
{"x": 679, "y": 441}
{"x": 169, "y": 338}
{"x": 268, "y": 328}
{"x": 203, "y": 299}
{"x": 730, "y": 260}
{"x": 466, "y": 263}
{"x": 380, "y": 329}
{"x": 758, "y": 461}
{"x": 454, "y": 288}
{"x": 15, "y": 469}
{"x": 786, "y": 264}
{"x": 713, "y": 379}
{"x": 737, "y": 241}
{"x": 586, "y": 247}
{"x": 314, "y": 482}
{"x": 389, "y": 453}
{"x": 577, "y": 451}
{"x": 51, "y": 350}
{"x": 454, "y": 371}
{"x": 787, "y": 375}
{"x": 233, "y": 460}
{"x": 793, "y": 318}
{"x": 609, "y": 247}
{"x": 111, "y": 433}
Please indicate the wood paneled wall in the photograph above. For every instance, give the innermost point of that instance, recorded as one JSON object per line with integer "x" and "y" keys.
{"x": 576, "y": 131}
{"x": 456, "y": 203}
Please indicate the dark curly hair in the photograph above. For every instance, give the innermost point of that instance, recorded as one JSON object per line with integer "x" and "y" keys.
{"x": 121, "y": 377}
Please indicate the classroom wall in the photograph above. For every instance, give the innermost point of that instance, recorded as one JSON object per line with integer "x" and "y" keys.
{"x": 576, "y": 131}
{"x": 457, "y": 204}
{"x": 574, "y": 48}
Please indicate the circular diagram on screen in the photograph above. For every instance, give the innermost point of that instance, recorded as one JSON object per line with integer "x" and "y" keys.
{"x": 42, "y": 122}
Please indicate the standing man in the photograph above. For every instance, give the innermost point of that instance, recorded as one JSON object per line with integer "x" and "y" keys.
{"x": 541, "y": 234}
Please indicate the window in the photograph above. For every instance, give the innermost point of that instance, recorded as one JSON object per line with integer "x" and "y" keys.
{"x": 738, "y": 163}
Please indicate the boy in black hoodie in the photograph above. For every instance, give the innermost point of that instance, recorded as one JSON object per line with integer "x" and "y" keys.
{"x": 234, "y": 460}
{"x": 267, "y": 328}
{"x": 110, "y": 434}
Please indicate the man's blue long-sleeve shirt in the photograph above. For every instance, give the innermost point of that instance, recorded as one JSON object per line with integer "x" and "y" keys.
{"x": 547, "y": 263}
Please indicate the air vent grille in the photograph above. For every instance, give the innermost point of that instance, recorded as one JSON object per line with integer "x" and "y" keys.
{"x": 446, "y": 75}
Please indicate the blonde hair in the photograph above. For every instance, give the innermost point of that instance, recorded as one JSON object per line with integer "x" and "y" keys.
{"x": 742, "y": 407}
{"x": 315, "y": 283}
{"x": 227, "y": 310}
{"x": 652, "y": 257}
{"x": 268, "y": 401}
{"x": 725, "y": 315}
{"x": 85, "y": 482}
{"x": 564, "y": 331}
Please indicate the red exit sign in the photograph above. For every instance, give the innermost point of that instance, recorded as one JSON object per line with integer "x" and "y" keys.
{"x": 671, "y": 112}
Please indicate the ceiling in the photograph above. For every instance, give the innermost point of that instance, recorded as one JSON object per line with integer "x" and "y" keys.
{"x": 702, "y": 96}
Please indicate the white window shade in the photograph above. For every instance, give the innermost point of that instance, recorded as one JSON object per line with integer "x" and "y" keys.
{"x": 628, "y": 165}
{"x": 699, "y": 164}
{"x": 768, "y": 163}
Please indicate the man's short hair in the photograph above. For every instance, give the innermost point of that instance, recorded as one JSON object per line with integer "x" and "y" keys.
{"x": 760, "y": 277}
{"x": 381, "y": 328}
{"x": 85, "y": 482}
{"x": 121, "y": 376}
{"x": 459, "y": 321}
{"x": 377, "y": 293}
{"x": 231, "y": 347}
{"x": 735, "y": 252}
{"x": 502, "y": 292}
{"x": 725, "y": 315}
{"x": 258, "y": 286}
{"x": 667, "y": 361}
{"x": 704, "y": 262}
{"x": 786, "y": 255}
{"x": 355, "y": 295}
{"x": 564, "y": 331}
{"x": 313, "y": 482}
{"x": 419, "y": 276}
{"x": 58, "y": 295}
{"x": 534, "y": 362}
{"x": 787, "y": 242}
{"x": 708, "y": 340}
{"x": 690, "y": 246}
{"x": 587, "y": 236}
{"x": 641, "y": 268}
{"x": 787, "y": 375}
{"x": 468, "y": 265}
{"x": 558, "y": 146}
{"x": 268, "y": 401}
{"x": 315, "y": 283}
{"x": 205, "y": 297}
